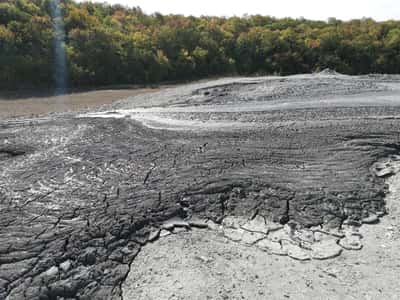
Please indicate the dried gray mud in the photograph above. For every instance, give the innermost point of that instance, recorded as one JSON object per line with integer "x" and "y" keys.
{"x": 217, "y": 263}
{"x": 82, "y": 194}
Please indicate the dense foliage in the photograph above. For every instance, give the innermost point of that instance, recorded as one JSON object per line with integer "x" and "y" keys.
{"x": 114, "y": 45}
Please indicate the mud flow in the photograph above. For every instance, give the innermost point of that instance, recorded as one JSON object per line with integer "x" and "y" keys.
{"x": 213, "y": 190}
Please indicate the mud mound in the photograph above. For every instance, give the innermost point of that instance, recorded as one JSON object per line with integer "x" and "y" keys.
{"x": 259, "y": 90}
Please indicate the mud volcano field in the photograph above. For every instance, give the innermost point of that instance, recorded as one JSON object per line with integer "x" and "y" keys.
{"x": 82, "y": 194}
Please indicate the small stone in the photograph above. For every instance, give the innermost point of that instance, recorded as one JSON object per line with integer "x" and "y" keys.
{"x": 164, "y": 233}
{"x": 66, "y": 265}
{"x": 175, "y": 222}
{"x": 380, "y": 213}
{"x": 350, "y": 222}
{"x": 154, "y": 235}
{"x": 371, "y": 219}
{"x": 385, "y": 172}
{"x": 181, "y": 223}
{"x": 204, "y": 259}
{"x": 53, "y": 271}
{"x": 168, "y": 226}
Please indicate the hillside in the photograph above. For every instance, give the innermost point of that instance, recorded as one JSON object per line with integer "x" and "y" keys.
{"x": 100, "y": 44}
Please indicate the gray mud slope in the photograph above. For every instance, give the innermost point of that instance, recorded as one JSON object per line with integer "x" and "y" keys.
{"x": 79, "y": 196}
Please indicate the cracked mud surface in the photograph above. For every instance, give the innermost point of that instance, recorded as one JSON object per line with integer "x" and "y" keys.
{"x": 209, "y": 264}
{"x": 81, "y": 194}
{"x": 203, "y": 264}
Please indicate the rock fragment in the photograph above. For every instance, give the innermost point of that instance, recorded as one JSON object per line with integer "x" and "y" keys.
{"x": 164, "y": 233}
{"x": 53, "y": 271}
{"x": 371, "y": 219}
{"x": 175, "y": 222}
{"x": 154, "y": 235}
{"x": 66, "y": 265}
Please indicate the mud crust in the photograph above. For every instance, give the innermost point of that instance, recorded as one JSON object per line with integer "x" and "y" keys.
{"x": 81, "y": 194}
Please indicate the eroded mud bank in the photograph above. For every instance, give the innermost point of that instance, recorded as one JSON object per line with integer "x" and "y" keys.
{"x": 81, "y": 194}
{"x": 250, "y": 259}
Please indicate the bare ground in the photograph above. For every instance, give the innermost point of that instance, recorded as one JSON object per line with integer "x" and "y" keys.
{"x": 81, "y": 195}
{"x": 205, "y": 264}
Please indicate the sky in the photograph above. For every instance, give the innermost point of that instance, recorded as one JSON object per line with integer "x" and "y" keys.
{"x": 310, "y": 9}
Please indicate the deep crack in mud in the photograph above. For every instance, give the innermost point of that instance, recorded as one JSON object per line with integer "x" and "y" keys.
{"x": 81, "y": 194}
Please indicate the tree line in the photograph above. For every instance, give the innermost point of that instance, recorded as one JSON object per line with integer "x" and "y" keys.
{"x": 111, "y": 44}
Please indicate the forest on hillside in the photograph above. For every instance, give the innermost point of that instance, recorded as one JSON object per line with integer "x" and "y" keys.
{"x": 111, "y": 44}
